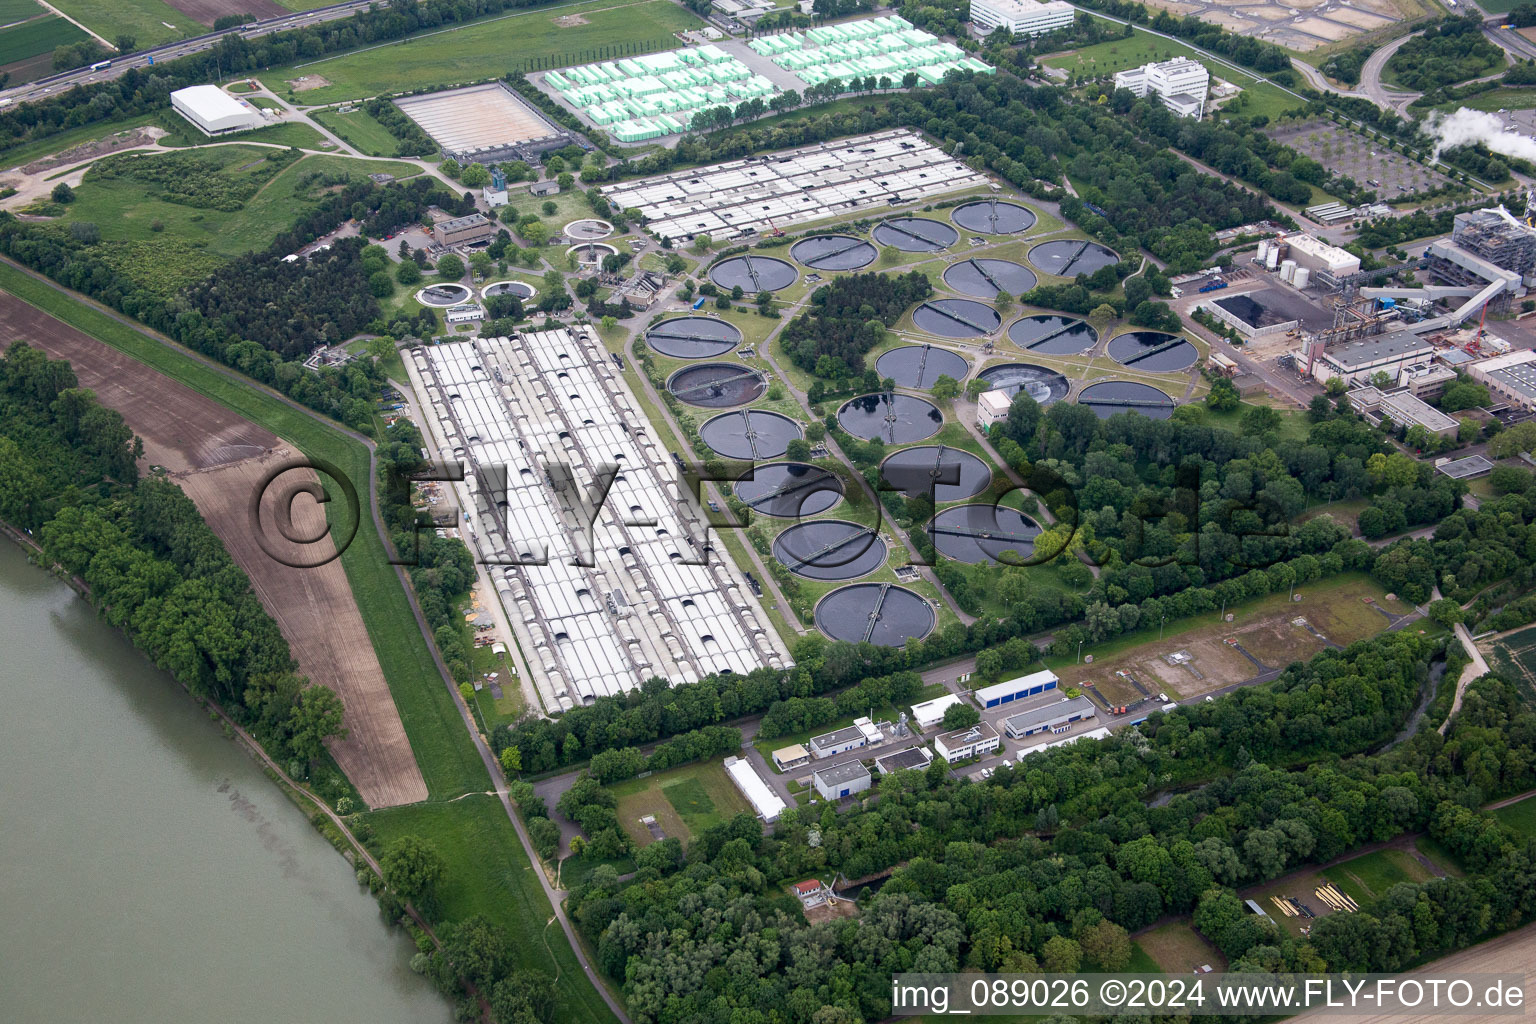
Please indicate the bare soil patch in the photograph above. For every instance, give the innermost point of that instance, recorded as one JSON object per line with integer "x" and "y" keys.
{"x": 96, "y": 148}
{"x": 570, "y": 20}
{"x": 206, "y": 12}
{"x": 220, "y": 460}
{"x": 308, "y": 82}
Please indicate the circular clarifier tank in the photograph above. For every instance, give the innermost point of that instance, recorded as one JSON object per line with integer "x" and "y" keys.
{"x": 717, "y": 385}
{"x": 1116, "y": 396}
{"x": 834, "y": 252}
{"x": 1041, "y": 383}
{"x": 587, "y": 230}
{"x": 982, "y": 533}
{"x": 916, "y": 234}
{"x": 789, "y": 490}
{"x": 948, "y": 473}
{"x": 918, "y": 366}
{"x": 985, "y": 278}
{"x": 753, "y": 274}
{"x": 994, "y": 217}
{"x": 1153, "y": 351}
{"x": 1068, "y": 259}
{"x": 878, "y": 613}
{"x": 830, "y": 549}
{"x": 892, "y": 418}
{"x": 448, "y": 293}
{"x": 1052, "y": 335}
{"x": 517, "y": 288}
{"x": 956, "y": 318}
{"x": 749, "y": 434}
{"x": 693, "y": 337}
{"x": 590, "y": 254}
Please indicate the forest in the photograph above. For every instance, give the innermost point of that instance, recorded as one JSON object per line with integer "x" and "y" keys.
{"x": 1446, "y": 53}
{"x": 847, "y": 318}
{"x": 152, "y": 566}
{"x": 1048, "y": 866}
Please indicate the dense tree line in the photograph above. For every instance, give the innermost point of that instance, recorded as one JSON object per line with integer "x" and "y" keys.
{"x": 412, "y": 140}
{"x": 1047, "y": 866}
{"x": 153, "y": 567}
{"x": 1451, "y": 51}
{"x": 798, "y": 714}
{"x": 847, "y": 318}
{"x": 698, "y": 745}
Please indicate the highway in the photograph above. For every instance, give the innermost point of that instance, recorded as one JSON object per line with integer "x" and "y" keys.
{"x": 54, "y": 84}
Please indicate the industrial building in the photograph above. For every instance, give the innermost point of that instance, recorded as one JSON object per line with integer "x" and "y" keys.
{"x": 600, "y": 599}
{"x": 767, "y": 192}
{"x": 484, "y": 124}
{"x": 463, "y": 230}
{"x": 861, "y": 733}
{"x": 1498, "y": 237}
{"x": 974, "y": 741}
{"x": 765, "y": 802}
{"x": 1180, "y": 83}
{"x": 1356, "y": 361}
{"x": 1011, "y": 690}
{"x": 1021, "y": 17}
{"x": 931, "y": 712}
{"x": 992, "y": 407}
{"x": 912, "y": 757}
{"x": 841, "y": 780}
{"x": 495, "y": 194}
{"x": 1301, "y": 259}
{"x": 1510, "y": 378}
{"x": 1250, "y": 316}
{"x": 1056, "y": 717}
{"x": 1403, "y": 409}
{"x": 213, "y": 111}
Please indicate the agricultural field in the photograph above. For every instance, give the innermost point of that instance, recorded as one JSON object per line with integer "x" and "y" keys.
{"x": 1515, "y": 655}
{"x": 683, "y": 801}
{"x": 567, "y": 34}
{"x": 1337, "y": 608}
{"x": 36, "y": 37}
{"x": 145, "y": 20}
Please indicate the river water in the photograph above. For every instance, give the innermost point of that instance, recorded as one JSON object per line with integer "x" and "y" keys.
{"x": 149, "y": 872}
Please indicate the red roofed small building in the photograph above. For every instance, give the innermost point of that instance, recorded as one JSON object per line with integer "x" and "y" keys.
{"x": 811, "y": 892}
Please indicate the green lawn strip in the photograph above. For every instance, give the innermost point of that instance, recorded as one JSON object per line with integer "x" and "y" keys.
{"x": 361, "y": 130}
{"x": 1444, "y": 859}
{"x": 38, "y": 36}
{"x": 444, "y": 752}
{"x": 490, "y": 48}
{"x": 697, "y": 795}
{"x": 19, "y": 10}
{"x": 576, "y": 871}
{"x": 1366, "y": 878}
{"x": 1520, "y": 816}
{"x": 489, "y": 873}
{"x": 144, "y": 20}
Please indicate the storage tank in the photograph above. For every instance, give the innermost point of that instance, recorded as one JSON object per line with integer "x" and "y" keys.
{"x": 1272, "y": 260}
{"x": 1263, "y": 250}
{"x": 1302, "y": 278}
{"x": 1287, "y": 270}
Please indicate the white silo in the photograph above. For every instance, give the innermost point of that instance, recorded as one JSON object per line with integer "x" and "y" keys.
{"x": 1272, "y": 259}
{"x": 1302, "y": 278}
{"x": 1263, "y": 251}
{"x": 1287, "y": 270}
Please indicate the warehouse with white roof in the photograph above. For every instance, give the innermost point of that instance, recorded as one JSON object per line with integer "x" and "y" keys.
{"x": 768, "y": 192}
{"x": 537, "y": 419}
{"x": 213, "y": 111}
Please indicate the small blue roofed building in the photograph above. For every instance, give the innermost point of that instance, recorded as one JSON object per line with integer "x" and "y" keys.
{"x": 1011, "y": 690}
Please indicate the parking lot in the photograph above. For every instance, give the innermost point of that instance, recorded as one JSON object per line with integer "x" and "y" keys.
{"x": 1368, "y": 163}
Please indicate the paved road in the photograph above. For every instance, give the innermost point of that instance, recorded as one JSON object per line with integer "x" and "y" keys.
{"x": 1385, "y": 96}
{"x": 55, "y": 84}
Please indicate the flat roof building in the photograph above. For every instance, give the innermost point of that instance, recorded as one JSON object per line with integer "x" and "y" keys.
{"x": 931, "y": 712}
{"x": 484, "y": 124}
{"x": 992, "y": 407}
{"x": 793, "y": 756}
{"x": 1357, "y": 361}
{"x": 974, "y": 741}
{"x": 861, "y": 733}
{"x": 1511, "y": 377}
{"x": 912, "y": 757}
{"x": 463, "y": 230}
{"x": 1403, "y": 409}
{"x": 1057, "y": 717}
{"x": 1469, "y": 468}
{"x": 1180, "y": 83}
{"x": 1101, "y": 733}
{"x": 213, "y": 111}
{"x": 759, "y": 794}
{"x": 1011, "y": 690}
{"x": 1021, "y": 17}
{"x": 841, "y": 780}
{"x": 1318, "y": 256}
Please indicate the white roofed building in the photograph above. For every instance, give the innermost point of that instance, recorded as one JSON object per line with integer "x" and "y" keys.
{"x": 758, "y": 793}
{"x": 213, "y": 111}
{"x": 1180, "y": 83}
{"x": 1021, "y": 17}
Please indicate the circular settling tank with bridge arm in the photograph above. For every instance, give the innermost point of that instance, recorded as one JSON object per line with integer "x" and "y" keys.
{"x": 918, "y": 366}
{"x": 789, "y": 490}
{"x": 693, "y": 337}
{"x": 882, "y": 614}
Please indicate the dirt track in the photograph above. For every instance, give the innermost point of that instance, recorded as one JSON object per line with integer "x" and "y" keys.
{"x": 220, "y": 459}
